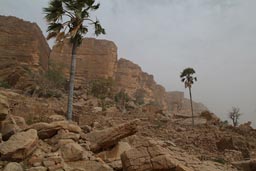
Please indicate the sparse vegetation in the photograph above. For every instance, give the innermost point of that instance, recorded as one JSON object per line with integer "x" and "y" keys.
{"x": 48, "y": 84}
{"x": 234, "y": 115}
{"x": 139, "y": 96}
{"x": 121, "y": 98}
{"x": 188, "y": 79}
{"x": 101, "y": 88}
{"x": 4, "y": 84}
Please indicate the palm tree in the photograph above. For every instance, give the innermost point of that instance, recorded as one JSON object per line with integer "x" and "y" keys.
{"x": 188, "y": 79}
{"x": 70, "y": 19}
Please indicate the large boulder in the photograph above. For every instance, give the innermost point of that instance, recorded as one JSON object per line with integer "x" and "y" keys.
{"x": 13, "y": 166}
{"x": 72, "y": 151}
{"x": 150, "y": 156}
{"x": 19, "y": 146}
{"x": 106, "y": 138}
{"x": 4, "y": 107}
{"x": 48, "y": 130}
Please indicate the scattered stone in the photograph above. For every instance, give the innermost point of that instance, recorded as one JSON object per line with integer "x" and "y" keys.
{"x": 46, "y": 130}
{"x": 13, "y": 166}
{"x": 19, "y": 146}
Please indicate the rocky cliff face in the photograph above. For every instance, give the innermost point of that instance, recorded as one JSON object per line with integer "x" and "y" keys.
{"x": 95, "y": 59}
{"x": 179, "y": 104}
{"x": 22, "y": 46}
{"x": 138, "y": 84}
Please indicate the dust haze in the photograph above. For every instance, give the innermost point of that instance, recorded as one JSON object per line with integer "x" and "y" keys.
{"x": 215, "y": 37}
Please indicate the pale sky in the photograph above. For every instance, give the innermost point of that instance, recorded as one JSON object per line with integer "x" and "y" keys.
{"x": 215, "y": 37}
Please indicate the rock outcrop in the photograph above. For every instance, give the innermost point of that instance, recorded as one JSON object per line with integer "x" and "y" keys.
{"x": 19, "y": 146}
{"x": 177, "y": 103}
{"x": 109, "y": 137}
{"x": 96, "y": 59}
{"x": 138, "y": 84}
{"x": 23, "y": 49}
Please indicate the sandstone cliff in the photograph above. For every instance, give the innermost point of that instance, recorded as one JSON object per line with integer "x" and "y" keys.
{"x": 95, "y": 59}
{"x": 179, "y": 104}
{"x": 22, "y": 46}
{"x": 138, "y": 84}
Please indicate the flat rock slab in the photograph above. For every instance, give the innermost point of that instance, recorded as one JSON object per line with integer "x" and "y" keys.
{"x": 48, "y": 130}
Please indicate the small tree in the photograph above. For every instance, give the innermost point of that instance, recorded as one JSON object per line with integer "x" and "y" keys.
{"x": 70, "y": 19}
{"x": 234, "y": 115}
{"x": 188, "y": 79}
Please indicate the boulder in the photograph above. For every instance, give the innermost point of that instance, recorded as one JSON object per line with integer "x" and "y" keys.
{"x": 11, "y": 125}
{"x": 115, "y": 153}
{"x": 48, "y": 130}
{"x": 72, "y": 152}
{"x": 150, "y": 156}
{"x": 106, "y": 138}
{"x": 4, "y": 107}
{"x": 19, "y": 146}
{"x": 64, "y": 134}
{"x": 54, "y": 118}
{"x": 13, "y": 166}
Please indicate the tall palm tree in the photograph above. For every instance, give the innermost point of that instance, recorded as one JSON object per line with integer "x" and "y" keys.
{"x": 188, "y": 79}
{"x": 70, "y": 19}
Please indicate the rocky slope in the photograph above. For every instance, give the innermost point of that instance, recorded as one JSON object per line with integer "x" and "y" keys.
{"x": 108, "y": 141}
{"x": 23, "y": 49}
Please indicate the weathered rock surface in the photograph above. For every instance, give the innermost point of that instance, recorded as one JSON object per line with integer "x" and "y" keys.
{"x": 19, "y": 146}
{"x": 72, "y": 152}
{"x": 95, "y": 59}
{"x": 11, "y": 125}
{"x": 89, "y": 166}
{"x": 138, "y": 84}
{"x": 247, "y": 165}
{"x": 23, "y": 49}
{"x": 150, "y": 155}
{"x": 234, "y": 143}
{"x": 13, "y": 166}
{"x": 106, "y": 138}
{"x": 179, "y": 104}
{"x": 4, "y": 107}
{"x": 48, "y": 130}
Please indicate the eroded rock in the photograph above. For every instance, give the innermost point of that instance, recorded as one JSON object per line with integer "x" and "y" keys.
{"x": 19, "y": 146}
{"x": 108, "y": 137}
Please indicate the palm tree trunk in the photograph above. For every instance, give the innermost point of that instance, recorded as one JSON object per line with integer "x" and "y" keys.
{"x": 71, "y": 81}
{"x": 191, "y": 103}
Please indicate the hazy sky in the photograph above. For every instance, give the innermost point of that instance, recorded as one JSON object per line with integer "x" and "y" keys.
{"x": 216, "y": 37}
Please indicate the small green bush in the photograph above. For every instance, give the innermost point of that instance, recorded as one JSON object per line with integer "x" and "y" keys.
{"x": 5, "y": 84}
{"x": 101, "y": 88}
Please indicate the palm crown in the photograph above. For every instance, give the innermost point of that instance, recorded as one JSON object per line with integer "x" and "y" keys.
{"x": 70, "y": 19}
{"x": 187, "y": 77}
